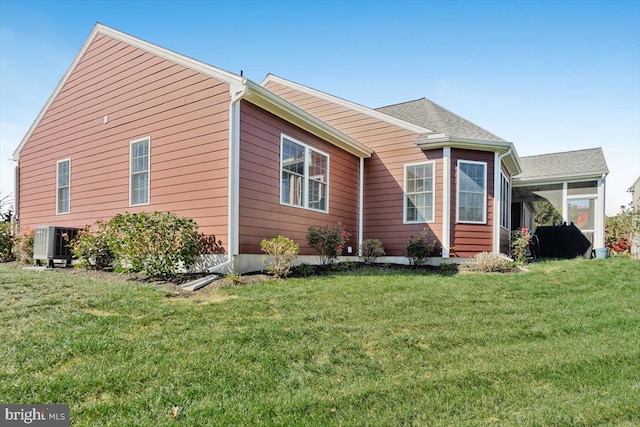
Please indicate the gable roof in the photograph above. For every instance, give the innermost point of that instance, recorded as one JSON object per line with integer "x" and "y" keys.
{"x": 240, "y": 88}
{"x": 428, "y": 114}
{"x": 634, "y": 186}
{"x": 413, "y": 127}
{"x": 579, "y": 164}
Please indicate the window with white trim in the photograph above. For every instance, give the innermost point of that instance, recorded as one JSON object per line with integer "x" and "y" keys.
{"x": 139, "y": 181}
{"x": 419, "y": 181}
{"x": 472, "y": 192}
{"x": 63, "y": 186}
{"x": 505, "y": 200}
{"x": 304, "y": 175}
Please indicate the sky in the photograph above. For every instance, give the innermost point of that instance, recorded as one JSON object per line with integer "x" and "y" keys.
{"x": 549, "y": 76}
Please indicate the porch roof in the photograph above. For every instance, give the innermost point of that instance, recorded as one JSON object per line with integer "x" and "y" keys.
{"x": 565, "y": 166}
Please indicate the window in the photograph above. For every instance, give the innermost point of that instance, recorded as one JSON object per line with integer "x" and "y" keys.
{"x": 581, "y": 213}
{"x": 472, "y": 191}
{"x": 505, "y": 200}
{"x": 304, "y": 176}
{"x": 418, "y": 188}
{"x": 139, "y": 184}
{"x": 63, "y": 192}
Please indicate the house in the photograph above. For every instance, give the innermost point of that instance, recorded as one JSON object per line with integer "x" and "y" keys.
{"x": 635, "y": 204}
{"x": 136, "y": 127}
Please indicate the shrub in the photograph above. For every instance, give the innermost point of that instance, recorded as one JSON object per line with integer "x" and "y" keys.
{"x": 280, "y": 251}
{"x": 6, "y": 242}
{"x": 23, "y": 246}
{"x": 488, "y": 262}
{"x": 419, "y": 248}
{"x": 520, "y": 240}
{"x": 371, "y": 249}
{"x": 91, "y": 246}
{"x": 622, "y": 229}
{"x": 305, "y": 270}
{"x": 327, "y": 241}
{"x": 156, "y": 244}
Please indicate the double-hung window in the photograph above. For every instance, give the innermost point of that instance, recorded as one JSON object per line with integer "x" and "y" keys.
{"x": 139, "y": 180}
{"x": 63, "y": 186}
{"x": 304, "y": 175}
{"x": 472, "y": 192}
{"x": 419, "y": 192}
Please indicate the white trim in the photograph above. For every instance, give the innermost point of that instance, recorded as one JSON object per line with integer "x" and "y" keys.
{"x": 446, "y": 201}
{"x": 503, "y": 202}
{"x": 307, "y": 160}
{"x": 68, "y": 159}
{"x": 131, "y": 143}
{"x": 267, "y": 100}
{"x": 497, "y": 202}
{"x": 565, "y": 208}
{"x": 517, "y": 182}
{"x": 344, "y": 103}
{"x": 433, "y": 193}
{"x": 234, "y": 179}
{"x": 598, "y": 235}
{"x": 360, "y": 206}
{"x": 484, "y": 212}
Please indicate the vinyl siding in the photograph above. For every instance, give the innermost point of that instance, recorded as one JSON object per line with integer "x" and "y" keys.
{"x": 261, "y": 214}
{"x": 470, "y": 239}
{"x": 184, "y": 113}
{"x": 384, "y": 171}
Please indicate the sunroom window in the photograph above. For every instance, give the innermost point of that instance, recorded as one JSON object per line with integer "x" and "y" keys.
{"x": 304, "y": 175}
{"x": 472, "y": 191}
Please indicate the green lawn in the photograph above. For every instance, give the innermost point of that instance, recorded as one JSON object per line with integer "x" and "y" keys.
{"x": 559, "y": 345}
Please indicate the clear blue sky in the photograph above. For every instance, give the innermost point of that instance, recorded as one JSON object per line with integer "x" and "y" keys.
{"x": 548, "y": 75}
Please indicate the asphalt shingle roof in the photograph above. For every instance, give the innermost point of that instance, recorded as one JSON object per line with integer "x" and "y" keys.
{"x": 428, "y": 114}
{"x": 589, "y": 162}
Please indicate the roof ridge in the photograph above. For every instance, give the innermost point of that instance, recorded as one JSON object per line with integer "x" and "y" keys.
{"x": 563, "y": 152}
{"x": 400, "y": 103}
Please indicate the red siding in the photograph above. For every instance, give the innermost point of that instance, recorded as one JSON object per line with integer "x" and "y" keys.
{"x": 470, "y": 239}
{"x": 261, "y": 214}
{"x": 185, "y": 114}
{"x": 384, "y": 171}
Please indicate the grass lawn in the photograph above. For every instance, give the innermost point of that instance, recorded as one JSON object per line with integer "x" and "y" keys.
{"x": 559, "y": 345}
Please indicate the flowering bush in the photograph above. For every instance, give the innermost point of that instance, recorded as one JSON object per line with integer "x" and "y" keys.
{"x": 620, "y": 230}
{"x": 91, "y": 246}
{"x": 23, "y": 246}
{"x": 280, "y": 251}
{"x": 419, "y": 248}
{"x": 520, "y": 240}
{"x": 371, "y": 249}
{"x": 328, "y": 241}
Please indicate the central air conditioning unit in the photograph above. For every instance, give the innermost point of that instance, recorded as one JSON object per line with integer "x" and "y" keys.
{"x": 52, "y": 243}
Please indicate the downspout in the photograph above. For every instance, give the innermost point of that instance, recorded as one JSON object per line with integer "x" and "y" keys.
{"x": 446, "y": 202}
{"x": 361, "y": 207}
{"x": 237, "y": 93}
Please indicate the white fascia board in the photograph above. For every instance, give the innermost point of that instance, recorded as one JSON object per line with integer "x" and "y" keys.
{"x": 516, "y": 182}
{"x": 347, "y": 104}
{"x": 440, "y": 140}
{"x": 267, "y": 100}
{"x": 234, "y": 81}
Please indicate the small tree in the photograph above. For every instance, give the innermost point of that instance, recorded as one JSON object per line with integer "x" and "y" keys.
{"x": 328, "y": 241}
{"x": 622, "y": 229}
{"x": 281, "y": 252}
{"x": 546, "y": 214}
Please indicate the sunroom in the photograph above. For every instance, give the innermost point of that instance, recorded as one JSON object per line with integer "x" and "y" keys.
{"x": 565, "y": 188}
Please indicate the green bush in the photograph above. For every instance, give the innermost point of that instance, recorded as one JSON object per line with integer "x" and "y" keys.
{"x": 281, "y": 252}
{"x": 328, "y": 241}
{"x": 23, "y": 246}
{"x": 6, "y": 242}
{"x": 155, "y": 244}
{"x": 489, "y": 262}
{"x": 371, "y": 249}
{"x": 91, "y": 246}
{"x": 419, "y": 248}
{"x": 305, "y": 270}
